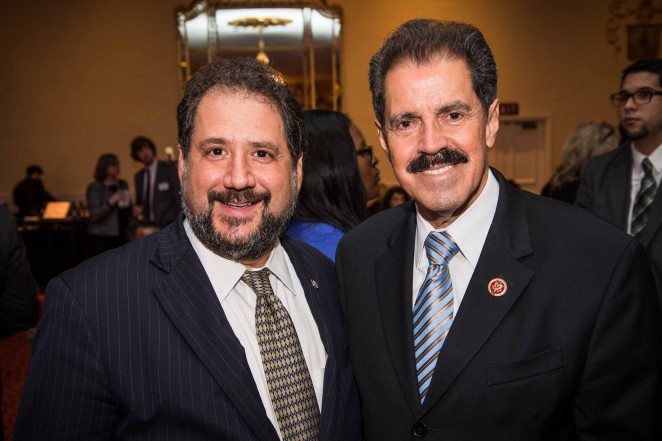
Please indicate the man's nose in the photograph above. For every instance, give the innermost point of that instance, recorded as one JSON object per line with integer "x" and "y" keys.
{"x": 239, "y": 175}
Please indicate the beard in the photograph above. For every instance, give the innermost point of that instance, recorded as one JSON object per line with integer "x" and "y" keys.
{"x": 642, "y": 133}
{"x": 228, "y": 245}
{"x": 445, "y": 156}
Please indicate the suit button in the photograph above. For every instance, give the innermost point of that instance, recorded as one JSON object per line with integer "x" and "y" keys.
{"x": 420, "y": 430}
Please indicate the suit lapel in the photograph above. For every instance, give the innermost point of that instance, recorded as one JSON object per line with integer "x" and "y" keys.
{"x": 189, "y": 301}
{"x": 393, "y": 274}
{"x": 480, "y": 312}
{"x": 654, "y": 221}
{"x": 617, "y": 189}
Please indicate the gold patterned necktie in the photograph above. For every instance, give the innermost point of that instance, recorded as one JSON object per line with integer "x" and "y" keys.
{"x": 290, "y": 386}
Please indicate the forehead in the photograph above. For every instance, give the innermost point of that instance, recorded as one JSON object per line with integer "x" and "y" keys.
{"x": 440, "y": 78}
{"x": 238, "y": 112}
{"x": 637, "y": 80}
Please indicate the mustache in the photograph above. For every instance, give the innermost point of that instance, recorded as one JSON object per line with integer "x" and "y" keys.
{"x": 445, "y": 156}
{"x": 236, "y": 196}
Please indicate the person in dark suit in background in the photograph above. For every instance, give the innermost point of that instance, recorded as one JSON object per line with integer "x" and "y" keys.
{"x": 19, "y": 309}
{"x": 157, "y": 185}
{"x": 621, "y": 186}
{"x": 30, "y": 195}
{"x": 213, "y": 328}
{"x": 478, "y": 311}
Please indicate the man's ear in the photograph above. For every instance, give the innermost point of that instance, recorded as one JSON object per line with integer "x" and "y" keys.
{"x": 382, "y": 139}
{"x": 299, "y": 172}
{"x": 492, "y": 126}
{"x": 180, "y": 163}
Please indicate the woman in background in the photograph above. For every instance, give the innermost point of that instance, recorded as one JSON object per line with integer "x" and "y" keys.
{"x": 332, "y": 199}
{"x": 589, "y": 139}
{"x": 393, "y": 197}
{"x": 109, "y": 202}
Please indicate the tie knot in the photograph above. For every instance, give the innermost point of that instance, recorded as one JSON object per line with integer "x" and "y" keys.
{"x": 440, "y": 248}
{"x": 647, "y": 165}
{"x": 258, "y": 281}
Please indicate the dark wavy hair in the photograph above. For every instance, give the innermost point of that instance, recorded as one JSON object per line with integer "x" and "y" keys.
{"x": 137, "y": 145}
{"x": 421, "y": 41}
{"x": 332, "y": 191}
{"x": 102, "y": 164}
{"x": 243, "y": 75}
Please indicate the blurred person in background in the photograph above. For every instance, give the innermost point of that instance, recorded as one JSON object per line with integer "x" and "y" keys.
{"x": 591, "y": 138}
{"x": 332, "y": 200}
{"x": 30, "y": 195}
{"x": 109, "y": 202}
{"x": 393, "y": 197}
{"x": 19, "y": 309}
{"x": 157, "y": 185}
{"x": 367, "y": 167}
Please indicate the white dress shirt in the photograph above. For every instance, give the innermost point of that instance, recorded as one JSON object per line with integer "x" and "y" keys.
{"x": 469, "y": 232}
{"x": 637, "y": 174}
{"x": 238, "y": 302}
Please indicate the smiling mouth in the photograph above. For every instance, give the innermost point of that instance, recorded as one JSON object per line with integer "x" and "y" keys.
{"x": 437, "y": 171}
{"x": 238, "y": 204}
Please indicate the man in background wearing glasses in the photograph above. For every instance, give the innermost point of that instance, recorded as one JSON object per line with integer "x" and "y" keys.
{"x": 621, "y": 186}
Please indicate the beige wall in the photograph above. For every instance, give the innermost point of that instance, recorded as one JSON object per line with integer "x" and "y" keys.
{"x": 80, "y": 78}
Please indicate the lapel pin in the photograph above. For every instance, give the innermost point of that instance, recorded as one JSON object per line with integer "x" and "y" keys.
{"x": 497, "y": 287}
{"x": 313, "y": 284}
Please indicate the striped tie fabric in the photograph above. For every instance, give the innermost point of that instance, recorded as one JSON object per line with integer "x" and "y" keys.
{"x": 433, "y": 310}
{"x": 644, "y": 199}
{"x": 288, "y": 379}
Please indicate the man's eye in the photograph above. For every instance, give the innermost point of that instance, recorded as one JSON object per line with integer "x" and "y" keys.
{"x": 644, "y": 95}
{"x": 262, "y": 154}
{"x": 217, "y": 151}
{"x": 454, "y": 115}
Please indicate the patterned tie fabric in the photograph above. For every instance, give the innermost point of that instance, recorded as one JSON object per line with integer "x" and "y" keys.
{"x": 290, "y": 386}
{"x": 147, "y": 196}
{"x": 433, "y": 310}
{"x": 644, "y": 199}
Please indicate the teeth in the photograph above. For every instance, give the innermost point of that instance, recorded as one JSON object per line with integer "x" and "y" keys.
{"x": 245, "y": 204}
{"x": 437, "y": 171}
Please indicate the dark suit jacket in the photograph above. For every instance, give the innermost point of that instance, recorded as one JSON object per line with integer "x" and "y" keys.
{"x": 134, "y": 344}
{"x": 570, "y": 351}
{"x": 166, "y": 203}
{"x": 19, "y": 309}
{"x": 605, "y": 190}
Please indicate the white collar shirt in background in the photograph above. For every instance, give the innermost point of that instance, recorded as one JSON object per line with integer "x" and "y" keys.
{"x": 637, "y": 174}
{"x": 469, "y": 232}
{"x": 238, "y": 302}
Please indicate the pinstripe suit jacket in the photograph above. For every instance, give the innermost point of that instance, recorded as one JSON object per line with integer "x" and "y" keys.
{"x": 134, "y": 344}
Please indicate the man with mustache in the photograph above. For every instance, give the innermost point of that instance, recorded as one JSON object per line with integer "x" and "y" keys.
{"x": 479, "y": 311}
{"x": 621, "y": 186}
{"x": 216, "y": 327}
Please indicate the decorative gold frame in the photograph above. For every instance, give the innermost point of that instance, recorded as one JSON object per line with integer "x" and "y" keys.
{"x": 309, "y": 61}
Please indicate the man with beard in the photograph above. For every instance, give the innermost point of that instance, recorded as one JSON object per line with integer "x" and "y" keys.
{"x": 621, "y": 186}
{"x": 479, "y": 311}
{"x": 215, "y": 328}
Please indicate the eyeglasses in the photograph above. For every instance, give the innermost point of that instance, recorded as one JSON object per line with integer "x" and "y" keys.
{"x": 365, "y": 152}
{"x": 641, "y": 96}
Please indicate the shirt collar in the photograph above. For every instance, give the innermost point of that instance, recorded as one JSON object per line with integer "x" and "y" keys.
{"x": 152, "y": 167}
{"x": 224, "y": 273}
{"x": 655, "y": 158}
{"x": 468, "y": 231}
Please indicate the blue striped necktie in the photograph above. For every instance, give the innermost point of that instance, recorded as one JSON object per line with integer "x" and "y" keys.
{"x": 644, "y": 199}
{"x": 433, "y": 310}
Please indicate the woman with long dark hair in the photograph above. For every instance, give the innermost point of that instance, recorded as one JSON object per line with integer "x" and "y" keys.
{"x": 332, "y": 199}
{"x": 109, "y": 202}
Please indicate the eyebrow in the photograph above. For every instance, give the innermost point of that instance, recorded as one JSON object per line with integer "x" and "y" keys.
{"x": 453, "y": 107}
{"x": 222, "y": 141}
